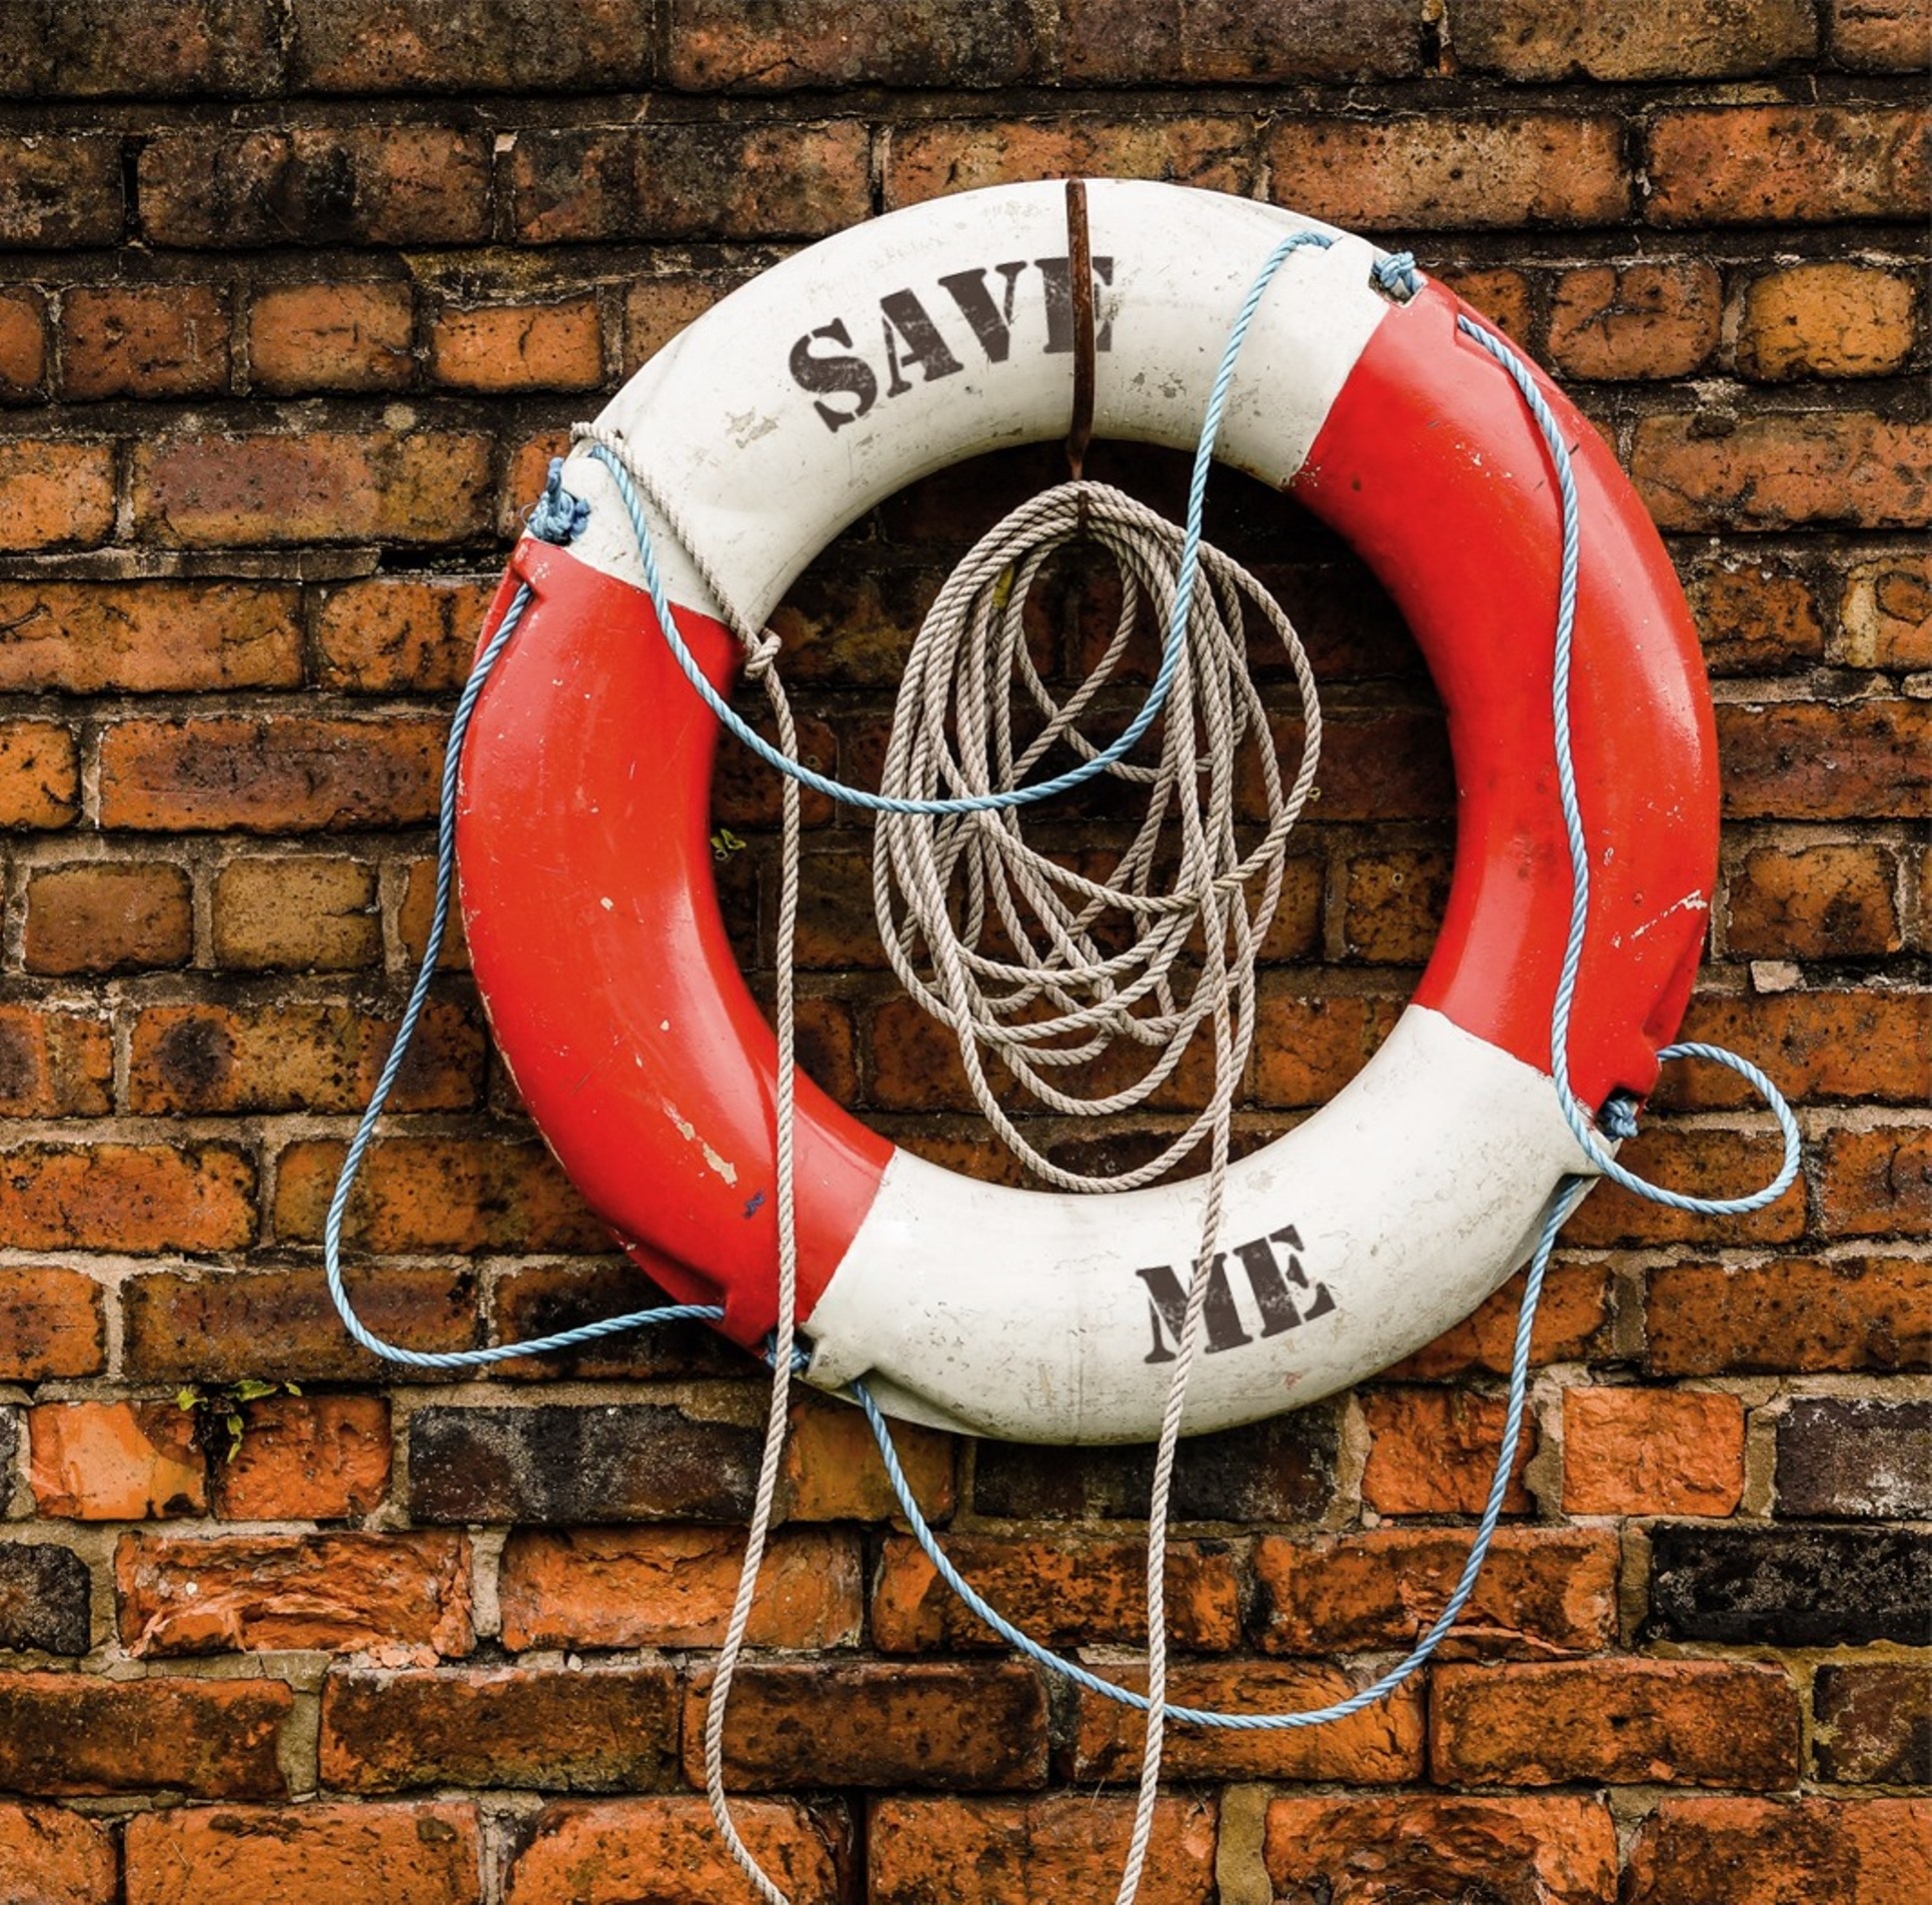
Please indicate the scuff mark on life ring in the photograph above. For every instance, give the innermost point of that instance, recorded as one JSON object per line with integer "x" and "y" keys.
{"x": 721, "y": 1164}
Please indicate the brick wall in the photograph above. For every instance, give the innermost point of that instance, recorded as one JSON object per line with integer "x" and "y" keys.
{"x": 296, "y": 297}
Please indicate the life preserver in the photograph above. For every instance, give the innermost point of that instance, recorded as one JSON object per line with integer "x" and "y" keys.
{"x": 818, "y": 390}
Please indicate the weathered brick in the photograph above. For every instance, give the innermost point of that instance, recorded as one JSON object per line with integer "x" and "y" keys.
{"x": 210, "y": 1328}
{"x": 1711, "y": 1162}
{"x": 1433, "y": 1452}
{"x": 143, "y": 341}
{"x": 558, "y": 1465}
{"x": 1762, "y": 1851}
{"x": 45, "y": 1596}
{"x": 719, "y": 45}
{"x": 1282, "y": 1469}
{"x": 1795, "y": 1314}
{"x": 306, "y": 1459}
{"x": 970, "y": 1728}
{"x": 150, "y": 636}
{"x": 68, "y": 1733}
{"x": 1573, "y": 1316}
{"x": 23, "y": 343}
{"x": 52, "y": 1324}
{"x": 1635, "y": 319}
{"x": 926, "y": 160}
{"x": 833, "y": 1471}
{"x": 1885, "y": 616}
{"x": 1782, "y": 469}
{"x": 1874, "y": 1724}
{"x": 315, "y": 185}
{"x": 408, "y": 634}
{"x": 437, "y": 1193}
{"x": 1443, "y": 172}
{"x": 534, "y": 1299}
{"x": 1499, "y": 296}
{"x": 1557, "y": 1851}
{"x": 132, "y": 1198}
{"x": 491, "y": 349}
{"x": 1813, "y": 1586}
{"x": 1826, "y": 320}
{"x": 1392, "y": 904}
{"x": 1880, "y": 36}
{"x": 611, "y": 1729}
{"x": 1308, "y": 1047}
{"x": 1837, "y": 1044}
{"x": 604, "y": 1853}
{"x": 58, "y": 1857}
{"x": 1877, "y": 1182}
{"x": 1064, "y": 1846}
{"x": 502, "y": 46}
{"x": 1752, "y": 165}
{"x": 345, "y": 337}
{"x": 55, "y": 495}
{"x": 314, "y": 913}
{"x": 689, "y": 180}
{"x": 1226, "y": 40}
{"x": 39, "y": 775}
{"x": 1676, "y": 40}
{"x": 1756, "y": 614}
{"x": 306, "y": 1855}
{"x": 1652, "y": 1452}
{"x": 54, "y": 1063}
{"x": 1064, "y": 1589}
{"x": 419, "y": 486}
{"x": 1542, "y": 1592}
{"x": 1856, "y": 1457}
{"x": 402, "y": 1597}
{"x": 115, "y": 1461}
{"x": 102, "y": 917}
{"x": 656, "y": 309}
{"x": 60, "y": 191}
{"x": 165, "y": 47}
{"x": 1381, "y": 1745}
{"x": 673, "y": 1587}
{"x": 1683, "y": 1722}
{"x": 1838, "y": 900}
{"x": 302, "y": 1056}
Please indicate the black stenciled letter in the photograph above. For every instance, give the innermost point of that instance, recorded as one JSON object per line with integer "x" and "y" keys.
{"x": 1168, "y": 1302}
{"x": 1058, "y": 274}
{"x": 852, "y": 375}
{"x": 991, "y": 324}
{"x": 918, "y": 342}
{"x": 1266, "y": 1276}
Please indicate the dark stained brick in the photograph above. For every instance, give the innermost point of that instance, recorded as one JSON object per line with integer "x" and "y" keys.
{"x": 1874, "y": 1723}
{"x": 1855, "y": 1457}
{"x": 44, "y": 1597}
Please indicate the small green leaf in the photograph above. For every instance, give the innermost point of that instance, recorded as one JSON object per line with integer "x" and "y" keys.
{"x": 253, "y": 1388}
{"x": 187, "y": 1399}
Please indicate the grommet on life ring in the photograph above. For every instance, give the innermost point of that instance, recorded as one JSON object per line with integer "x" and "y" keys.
{"x": 820, "y": 389}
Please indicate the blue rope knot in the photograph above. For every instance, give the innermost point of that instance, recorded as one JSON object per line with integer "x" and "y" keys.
{"x": 557, "y": 516}
{"x": 1396, "y": 274}
{"x": 1620, "y": 1115}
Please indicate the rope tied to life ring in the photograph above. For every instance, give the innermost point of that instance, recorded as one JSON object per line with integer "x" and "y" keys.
{"x": 956, "y": 978}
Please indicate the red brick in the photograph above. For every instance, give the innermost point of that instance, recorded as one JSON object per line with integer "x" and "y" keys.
{"x": 1873, "y": 1046}
{"x": 1764, "y": 1851}
{"x": 512, "y": 347}
{"x": 60, "y": 191}
{"x": 1784, "y": 470}
{"x": 1230, "y": 39}
{"x": 507, "y": 46}
{"x": 315, "y": 185}
{"x": 23, "y": 343}
{"x": 533, "y": 1299}
{"x": 1556, "y": 1851}
{"x": 99, "y": 916}
{"x": 1873, "y": 1723}
{"x": 412, "y": 920}
{"x": 1392, "y": 904}
{"x": 1683, "y": 1722}
{"x": 926, "y": 160}
{"x": 1433, "y": 1452}
{"x": 1756, "y": 615}
{"x": 1065, "y": 1846}
{"x": 1877, "y": 1182}
{"x": 1380, "y": 1746}
{"x": 667, "y": 1850}
{"x": 1308, "y": 1048}
{"x": 524, "y": 476}
{"x": 419, "y": 486}
{"x": 1440, "y": 172}
{"x": 970, "y": 1728}
{"x": 1501, "y": 297}
{"x": 438, "y": 1193}
{"x": 58, "y": 1857}
{"x": 408, "y": 634}
{"x": 306, "y": 1855}
{"x": 404, "y": 1598}
{"x": 611, "y": 1729}
{"x": 1635, "y": 319}
{"x": 1378, "y": 766}
{"x": 55, "y": 495}
{"x": 345, "y": 337}
{"x": 144, "y": 341}
{"x": 1885, "y": 617}
{"x": 673, "y": 1587}
{"x": 691, "y": 181}
{"x": 131, "y": 1197}
{"x": 69, "y": 1733}
{"x": 39, "y": 775}
{"x": 716, "y": 45}
{"x": 312, "y": 914}
{"x": 306, "y": 1459}
{"x": 1064, "y": 1589}
{"x": 1794, "y": 1314}
{"x": 216, "y": 1060}
{"x": 115, "y": 1461}
{"x": 51, "y": 1323}
{"x": 1752, "y": 165}
{"x": 1708, "y": 1162}
{"x": 657, "y": 309}
{"x": 1834, "y": 900}
{"x": 1675, "y": 40}
{"x": 143, "y": 47}
{"x": 1573, "y": 1316}
{"x": 833, "y": 1471}
{"x": 54, "y": 1063}
{"x": 1826, "y": 320}
{"x": 149, "y": 636}
{"x": 1882, "y": 36}
{"x": 1652, "y": 1452}
{"x": 210, "y": 1328}
{"x": 1542, "y": 1592}
{"x": 278, "y": 774}
{"x": 1812, "y": 761}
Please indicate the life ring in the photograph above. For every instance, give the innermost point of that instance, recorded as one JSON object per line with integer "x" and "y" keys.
{"x": 820, "y": 388}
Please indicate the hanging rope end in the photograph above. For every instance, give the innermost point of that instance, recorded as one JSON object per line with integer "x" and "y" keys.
{"x": 557, "y": 516}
